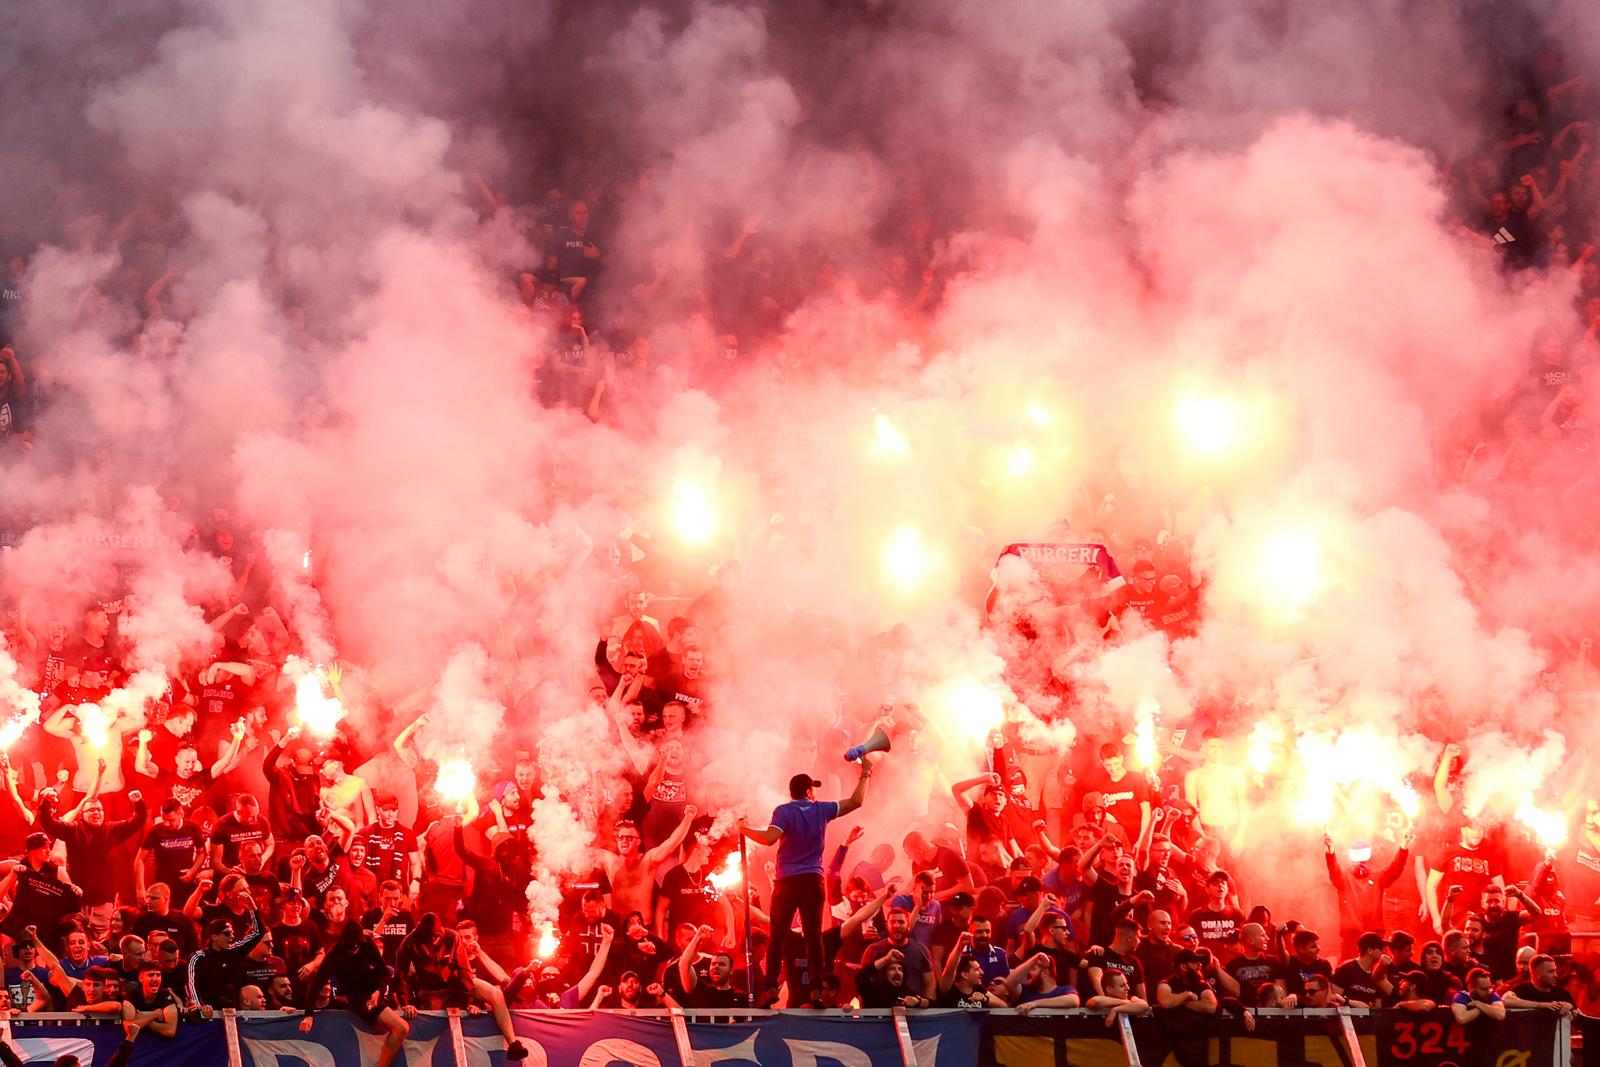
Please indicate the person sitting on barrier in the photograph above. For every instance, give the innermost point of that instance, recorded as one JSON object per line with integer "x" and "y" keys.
{"x": 355, "y": 964}
{"x": 1114, "y": 999}
{"x": 541, "y": 987}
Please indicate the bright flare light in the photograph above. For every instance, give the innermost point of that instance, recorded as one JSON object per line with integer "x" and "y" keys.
{"x": 1550, "y": 827}
{"x": 1406, "y": 798}
{"x": 96, "y": 725}
{"x": 1266, "y": 738}
{"x": 1207, "y": 425}
{"x": 972, "y": 707}
{"x": 1019, "y": 460}
{"x": 1290, "y": 565}
{"x": 729, "y": 876}
{"x": 456, "y": 781}
{"x": 1038, "y": 415}
{"x": 693, "y": 518}
{"x": 905, "y": 560}
{"x": 1145, "y": 753}
{"x": 549, "y": 943}
{"x": 887, "y": 440}
{"x": 319, "y": 714}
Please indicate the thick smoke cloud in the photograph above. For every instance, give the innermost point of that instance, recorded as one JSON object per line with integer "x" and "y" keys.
{"x": 1137, "y": 200}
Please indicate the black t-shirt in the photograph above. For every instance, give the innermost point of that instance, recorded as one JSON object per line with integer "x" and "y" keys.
{"x": 1104, "y": 898}
{"x": 686, "y": 897}
{"x": 389, "y": 851}
{"x": 186, "y": 791}
{"x": 1108, "y": 960}
{"x": 705, "y": 996}
{"x": 230, "y": 833}
{"x": 1250, "y": 974}
{"x": 947, "y": 868}
{"x": 175, "y": 851}
{"x": 392, "y": 932}
{"x": 1218, "y": 927}
{"x": 1296, "y": 974}
{"x": 1122, "y": 798}
{"x": 1533, "y": 994}
{"x": 173, "y": 924}
{"x": 954, "y": 998}
{"x": 1356, "y": 983}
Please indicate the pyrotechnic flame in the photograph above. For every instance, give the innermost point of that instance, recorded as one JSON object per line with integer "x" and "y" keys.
{"x": 887, "y": 440}
{"x": 1550, "y": 827}
{"x": 728, "y": 877}
{"x": 1145, "y": 753}
{"x": 693, "y": 518}
{"x": 318, "y": 713}
{"x": 456, "y": 781}
{"x": 1291, "y": 568}
{"x": 1405, "y": 797}
{"x": 11, "y": 731}
{"x": 96, "y": 725}
{"x": 1019, "y": 461}
{"x": 970, "y": 706}
{"x": 1207, "y": 425}
{"x": 549, "y": 943}
{"x": 1038, "y": 415}
{"x": 905, "y": 560}
{"x": 1266, "y": 740}
{"x": 305, "y": 561}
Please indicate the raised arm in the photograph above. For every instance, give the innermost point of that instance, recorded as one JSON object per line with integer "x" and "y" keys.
{"x": 960, "y": 790}
{"x": 854, "y": 801}
{"x": 655, "y": 856}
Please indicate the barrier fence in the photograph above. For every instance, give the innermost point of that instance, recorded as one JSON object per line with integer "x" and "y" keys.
{"x": 1333, "y": 1038}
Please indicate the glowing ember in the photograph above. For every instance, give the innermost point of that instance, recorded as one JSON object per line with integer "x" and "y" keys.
{"x": 887, "y": 440}
{"x": 693, "y": 518}
{"x": 549, "y": 943}
{"x": 456, "y": 781}
{"x": 728, "y": 877}
{"x": 1207, "y": 425}
{"x": 305, "y": 561}
{"x": 317, "y": 712}
{"x": 1550, "y": 827}
{"x": 905, "y": 560}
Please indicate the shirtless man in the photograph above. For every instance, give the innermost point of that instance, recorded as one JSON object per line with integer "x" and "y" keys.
{"x": 632, "y": 871}
{"x": 1216, "y": 789}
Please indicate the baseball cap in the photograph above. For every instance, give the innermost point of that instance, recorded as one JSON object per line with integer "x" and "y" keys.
{"x": 1028, "y": 885}
{"x": 800, "y": 783}
{"x": 962, "y": 900}
{"x": 1187, "y": 955}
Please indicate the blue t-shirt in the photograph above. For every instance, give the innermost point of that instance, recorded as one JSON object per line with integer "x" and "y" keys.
{"x": 1464, "y": 997}
{"x": 1019, "y": 918}
{"x": 928, "y": 919}
{"x": 804, "y": 824}
{"x": 1028, "y": 996}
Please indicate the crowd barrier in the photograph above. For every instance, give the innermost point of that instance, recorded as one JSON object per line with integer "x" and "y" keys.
{"x": 1329, "y": 1038}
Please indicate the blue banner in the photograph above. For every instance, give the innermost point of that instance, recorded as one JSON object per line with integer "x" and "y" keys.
{"x": 192, "y": 1046}
{"x": 337, "y": 1039}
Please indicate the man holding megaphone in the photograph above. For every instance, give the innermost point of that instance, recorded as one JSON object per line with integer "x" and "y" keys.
{"x": 798, "y": 829}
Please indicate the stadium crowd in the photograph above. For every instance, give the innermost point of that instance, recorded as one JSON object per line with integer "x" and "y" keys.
{"x": 205, "y": 851}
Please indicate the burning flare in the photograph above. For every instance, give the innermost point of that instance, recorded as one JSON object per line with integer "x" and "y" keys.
{"x": 318, "y": 713}
{"x": 730, "y": 875}
{"x": 549, "y": 943}
{"x": 904, "y": 559}
{"x": 456, "y": 781}
{"x": 1207, "y": 425}
{"x": 887, "y": 440}
{"x": 693, "y": 518}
